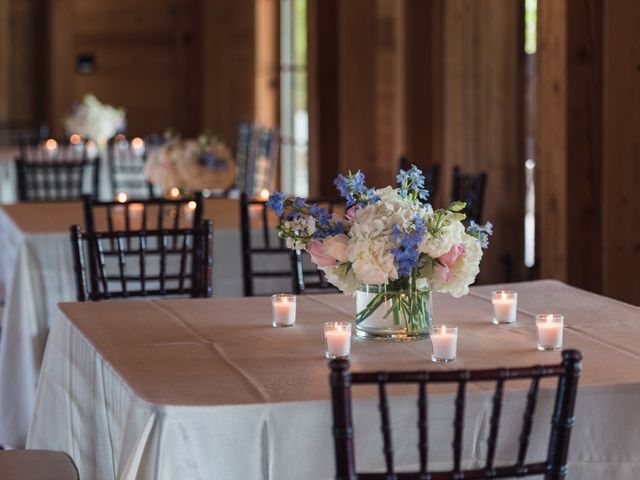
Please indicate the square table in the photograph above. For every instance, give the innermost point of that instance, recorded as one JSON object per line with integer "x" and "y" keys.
{"x": 206, "y": 388}
{"x": 36, "y": 272}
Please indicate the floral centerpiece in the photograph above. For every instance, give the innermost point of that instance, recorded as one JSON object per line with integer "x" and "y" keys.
{"x": 391, "y": 249}
{"x": 94, "y": 120}
{"x": 191, "y": 165}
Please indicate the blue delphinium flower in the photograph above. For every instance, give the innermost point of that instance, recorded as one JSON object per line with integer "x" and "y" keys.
{"x": 411, "y": 183}
{"x": 481, "y": 232}
{"x": 407, "y": 253}
{"x": 353, "y": 189}
{"x": 276, "y": 202}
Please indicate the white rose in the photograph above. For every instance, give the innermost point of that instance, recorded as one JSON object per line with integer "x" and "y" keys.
{"x": 336, "y": 247}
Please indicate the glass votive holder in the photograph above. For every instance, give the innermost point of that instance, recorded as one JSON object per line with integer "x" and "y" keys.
{"x": 337, "y": 340}
{"x": 284, "y": 309}
{"x": 444, "y": 343}
{"x": 505, "y": 306}
{"x": 550, "y": 327}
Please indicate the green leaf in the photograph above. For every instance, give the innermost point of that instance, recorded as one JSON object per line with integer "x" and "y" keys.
{"x": 459, "y": 216}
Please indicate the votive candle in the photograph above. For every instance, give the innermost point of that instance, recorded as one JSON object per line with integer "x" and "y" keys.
{"x": 505, "y": 306}
{"x": 284, "y": 309}
{"x": 337, "y": 336}
{"x": 444, "y": 343}
{"x": 550, "y": 327}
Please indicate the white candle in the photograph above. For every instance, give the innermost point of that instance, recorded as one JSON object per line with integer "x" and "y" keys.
{"x": 444, "y": 344}
{"x": 189, "y": 210}
{"x": 550, "y": 327}
{"x": 337, "y": 339}
{"x": 505, "y": 305}
{"x": 284, "y": 310}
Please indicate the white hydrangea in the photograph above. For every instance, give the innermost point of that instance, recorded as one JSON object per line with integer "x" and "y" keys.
{"x": 342, "y": 277}
{"x": 94, "y": 120}
{"x": 463, "y": 271}
{"x": 372, "y": 261}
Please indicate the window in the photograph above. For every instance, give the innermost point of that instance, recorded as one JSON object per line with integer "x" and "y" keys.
{"x": 294, "y": 117}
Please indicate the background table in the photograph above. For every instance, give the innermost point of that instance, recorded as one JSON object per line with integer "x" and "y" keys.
{"x": 36, "y": 272}
{"x": 207, "y": 389}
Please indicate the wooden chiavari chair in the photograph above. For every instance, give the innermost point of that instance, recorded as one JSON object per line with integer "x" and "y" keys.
{"x": 554, "y": 467}
{"x": 470, "y": 189}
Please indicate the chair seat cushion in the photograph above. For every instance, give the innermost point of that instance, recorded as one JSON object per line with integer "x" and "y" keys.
{"x": 36, "y": 465}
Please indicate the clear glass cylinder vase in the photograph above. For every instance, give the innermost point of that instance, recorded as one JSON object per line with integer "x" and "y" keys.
{"x": 387, "y": 313}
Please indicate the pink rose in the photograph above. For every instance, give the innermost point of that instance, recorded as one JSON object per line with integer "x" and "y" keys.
{"x": 351, "y": 213}
{"x": 318, "y": 254}
{"x": 447, "y": 260}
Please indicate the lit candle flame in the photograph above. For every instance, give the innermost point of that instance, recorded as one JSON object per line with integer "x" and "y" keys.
{"x": 264, "y": 194}
{"x": 503, "y": 294}
{"x": 137, "y": 143}
{"x": 192, "y": 205}
{"x": 174, "y": 192}
{"x": 339, "y": 327}
{"x": 51, "y": 144}
{"x": 444, "y": 330}
{"x": 549, "y": 319}
{"x": 75, "y": 139}
{"x": 122, "y": 197}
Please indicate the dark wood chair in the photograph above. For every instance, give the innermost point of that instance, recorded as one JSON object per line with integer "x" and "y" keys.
{"x": 37, "y": 465}
{"x": 127, "y": 170}
{"x": 265, "y": 245}
{"x": 302, "y": 278}
{"x": 59, "y": 175}
{"x": 257, "y": 154}
{"x": 553, "y": 467}
{"x": 125, "y": 264}
{"x": 470, "y": 189}
{"x": 135, "y": 215}
{"x": 22, "y": 133}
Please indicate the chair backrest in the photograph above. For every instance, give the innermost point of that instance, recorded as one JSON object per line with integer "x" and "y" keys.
{"x": 127, "y": 169}
{"x": 257, "y": 154}
{"x": 470, "y": 189}
{"x": 308, "y": 278}
{"x": 303, "y": 276}
{"x": 62, "y": 174}
{"x": 145, "y": 214}
{"x": 125, "y": 264}
{"x": 262, "y": 241}
{"x": 553, "y": 467}
{"x": 22, "y": 133}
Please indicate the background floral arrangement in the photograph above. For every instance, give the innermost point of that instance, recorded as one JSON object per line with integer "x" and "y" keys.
{"x": 94, "y": 120}
{"x": 191, "y": 164}
{"x": 389, "y": 236}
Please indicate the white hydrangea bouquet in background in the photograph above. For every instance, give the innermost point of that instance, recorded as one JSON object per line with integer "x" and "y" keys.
{"x": 94, "y": 120}
{"x": 390, "y": 248}
{"x": 191, "y": 165}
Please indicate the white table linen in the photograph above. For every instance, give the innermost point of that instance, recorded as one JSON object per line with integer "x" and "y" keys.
{"x": 36, "y": 271}
{"x": 214, "y": 392}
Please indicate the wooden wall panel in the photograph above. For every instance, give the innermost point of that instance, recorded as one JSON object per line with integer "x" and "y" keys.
{"x": 551, "y": 141}
{"x": 622, "y": 150}
{"x": 356, "y": 96}
{"x": 229, "y": 65}
{"x": 482, "y": 103}
{"x": 147, "y": 60}
{"x": 324, "y": 88}
{"x": 22, "y": 60}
